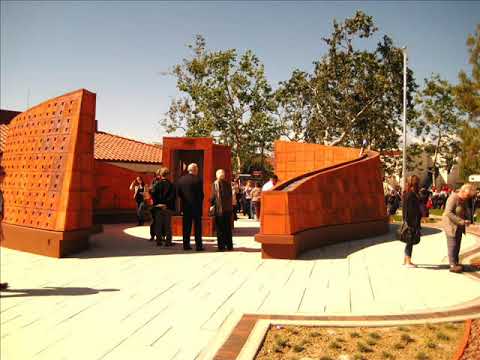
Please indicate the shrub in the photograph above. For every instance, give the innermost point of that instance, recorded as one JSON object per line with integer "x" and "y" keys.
{"x": 315, "y": 334}
{"x": 335, "y": 345}
{"x": 298, "y": 348}
{"x": 358, "y": 357}
{"x": 407, "y": 338}
{"x": 363, "y": 348}
{"x": 374, "y": 335}
{"x": 402, "y": 328}
{"x": 430, "y": 326}
{"x": 371, "y": 342}
{"x": 398, "y": 346}
{"x": 341, "y": 340}
{"x": 442, "y": 336}
{"x": 354, "y": 334}
{"x": 431, "y": 344}
{"x": 326, "y": 358}
{"x": 387, "y": 355}
{"x": 281, "y": 341}
{"x": 421, "y": 356}
{"x": 294, "y": 331}
{"x": 277, "y": 348}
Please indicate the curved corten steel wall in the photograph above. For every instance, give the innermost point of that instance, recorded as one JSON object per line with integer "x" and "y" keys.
{"x": 332, "y": 204}
{"x": 48, "y": 186}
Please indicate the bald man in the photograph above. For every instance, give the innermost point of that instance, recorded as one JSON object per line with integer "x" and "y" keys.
{"x": 190, "y": 191}
{"x": 455, "y": 219}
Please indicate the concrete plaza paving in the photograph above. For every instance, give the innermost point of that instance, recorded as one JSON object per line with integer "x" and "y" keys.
{"x": 126, "y": 298}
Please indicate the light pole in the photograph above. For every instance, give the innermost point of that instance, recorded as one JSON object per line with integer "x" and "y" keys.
{"x": 404, "y": 165}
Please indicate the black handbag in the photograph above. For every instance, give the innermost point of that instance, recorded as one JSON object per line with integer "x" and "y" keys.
{"x": 408, "y": 234}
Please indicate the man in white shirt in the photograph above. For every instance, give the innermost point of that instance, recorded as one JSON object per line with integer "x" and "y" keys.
{"x": 271, "y": 183}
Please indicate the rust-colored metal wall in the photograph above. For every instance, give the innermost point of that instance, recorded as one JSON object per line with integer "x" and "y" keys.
{"x": 112, "y": 186}
{"x": 215, "y": 157}
{"x": 48, "y": 183}
{"x": 294, "y": 158}
{"x": 337, "y": 202}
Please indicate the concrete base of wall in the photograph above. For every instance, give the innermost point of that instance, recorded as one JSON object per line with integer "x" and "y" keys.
{"x": 44, "y": 242}
{"x": 291, "y": 246}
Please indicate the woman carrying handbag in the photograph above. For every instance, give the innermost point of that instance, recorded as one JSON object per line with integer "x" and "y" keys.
{"x": 412, "y": 216}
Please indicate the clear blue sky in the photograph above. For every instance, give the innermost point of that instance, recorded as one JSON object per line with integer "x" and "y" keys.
{"x": 118, "y": 49}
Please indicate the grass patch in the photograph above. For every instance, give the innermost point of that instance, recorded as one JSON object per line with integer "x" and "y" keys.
{"x": 412, "y": 342}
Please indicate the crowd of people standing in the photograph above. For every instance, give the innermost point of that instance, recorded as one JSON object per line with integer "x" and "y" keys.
{"x": 226, "y": 202}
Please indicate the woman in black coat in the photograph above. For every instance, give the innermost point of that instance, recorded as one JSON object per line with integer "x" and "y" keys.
{"x": 411, "y": 213}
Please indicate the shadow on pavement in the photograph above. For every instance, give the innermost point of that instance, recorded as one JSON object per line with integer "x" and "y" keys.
{"x": 115, "y": 242}
{"x": 466, "y": 268}
{"x": 342, "y": 250}
{"x": 53, "y": 291}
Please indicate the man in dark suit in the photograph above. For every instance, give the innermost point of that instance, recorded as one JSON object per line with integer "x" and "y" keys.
{"x": 190, "y": 191}
{"x": 221, "y": 207}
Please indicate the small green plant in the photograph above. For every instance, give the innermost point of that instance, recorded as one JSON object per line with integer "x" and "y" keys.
{"x": 340, "y": 340}
{"x": 431, "y": 344}
{"x": 363, "y": 348}
{"x": 421, "y": 356}
{"x": 374, "y": 335}
{"x": 277, "y": 348}
{"x": 298, "y": 348}
{"x": 398, "y": 346}
{"x": 315, "y": 334}
{"x": 335, "y": 345}
{"x": 407, "y": 338}
{"x": 387, "y": 355}
{"x": 359, "y": 357}
{"x": 442, "y": 336}
{"x": 354, "y": 335}
{"x": 281, "y": 341}
{"x": 371, "y": 342}
{"x": 402, "y": 328}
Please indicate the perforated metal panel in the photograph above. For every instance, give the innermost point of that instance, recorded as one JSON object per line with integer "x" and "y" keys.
{"x": 48, "y": 164}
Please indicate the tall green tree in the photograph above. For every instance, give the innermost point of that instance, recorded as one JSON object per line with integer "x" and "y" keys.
{"x": 439, "y": 123}
{"x": 468, "y": 97}
{"x": 468, "y": 89}
{"x": 352, "y": 94}
{"x": 224, "y": 95}
{"x": 470, "y": 151}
